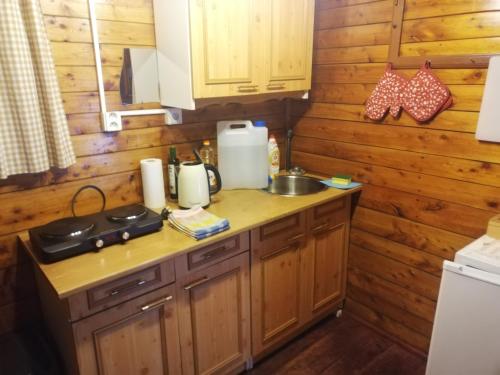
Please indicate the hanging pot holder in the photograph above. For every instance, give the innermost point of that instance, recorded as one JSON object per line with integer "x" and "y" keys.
{"x": 386, "y": 95}
{"x": 425, "y": 95}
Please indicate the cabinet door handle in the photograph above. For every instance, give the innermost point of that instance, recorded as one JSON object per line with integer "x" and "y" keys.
{"x": 156, "y": 303}
{"x": 133, "y": 285}
{"x": 248, "y": 88}
{"x": 321, "y": 227}
{"x": 280, "y": 250}
{"x": 204, "y": 279}
{"x": 214, "y": 252}
{"x": 295, "y": 238}
{"x": 276, "y": 86}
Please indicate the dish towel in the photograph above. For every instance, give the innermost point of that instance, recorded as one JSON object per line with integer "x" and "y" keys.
{"x": 197, "y": 223}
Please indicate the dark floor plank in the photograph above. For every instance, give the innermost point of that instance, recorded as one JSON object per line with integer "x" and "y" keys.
{"x": 395, "y": 361}
{"x": 338, "y": 345}
{"x": 295, "y": 348}
{"x": 356, "y": 359}
{"x": 341, "y": 346}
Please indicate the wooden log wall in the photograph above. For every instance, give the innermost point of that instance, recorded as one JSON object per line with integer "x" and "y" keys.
{"x": 429, "y": 189}
{"x": 108, "y": 160}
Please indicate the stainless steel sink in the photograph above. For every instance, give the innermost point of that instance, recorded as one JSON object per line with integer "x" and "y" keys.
{"x": 295, "y": 185}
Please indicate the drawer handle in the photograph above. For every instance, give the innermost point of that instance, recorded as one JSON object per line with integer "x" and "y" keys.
{"x": 215, "y": 252}
{"x": 156, "y": 303}
{"x": 321, "y": 228}
{"x": 296, "y": 238}
{"x": 280, "y": 250}
{"x": 248, "y": 88}
{"x": 135, "y": 284}
{"x": 276, "y": 86}
{"x": 204, "y": 279}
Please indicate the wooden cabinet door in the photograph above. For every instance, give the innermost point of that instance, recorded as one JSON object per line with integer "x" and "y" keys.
{"x": 223, "y": 36}
{"x": 290, "y": 32}
{"x": 276, "y": 284}
{"x": 325, "y": 264}
{"x": 136, "y": 337}
{"x": 214, "y": 317}
{"x": 325, "y": 257}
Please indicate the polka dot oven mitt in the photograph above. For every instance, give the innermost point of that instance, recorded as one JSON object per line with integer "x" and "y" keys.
{"x": 425, "y": 95}
{"x": 386, "y": 95}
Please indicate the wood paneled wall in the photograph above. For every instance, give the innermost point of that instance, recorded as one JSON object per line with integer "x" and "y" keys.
{"x": 429, "y": 188}
{"x": 111, "y": 160}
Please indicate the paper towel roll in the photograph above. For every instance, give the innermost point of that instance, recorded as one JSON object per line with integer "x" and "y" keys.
{"x": 488, "y": 128}
{"x": 153, "y": 187}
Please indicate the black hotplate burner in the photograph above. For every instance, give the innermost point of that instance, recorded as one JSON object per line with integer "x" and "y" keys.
{"x": 67, "y": 229}
{"x": 130, "y": 213}
{"x": 72, "y": 236}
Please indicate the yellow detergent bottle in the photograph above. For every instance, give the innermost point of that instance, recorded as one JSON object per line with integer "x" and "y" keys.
{"x": 274, "y": 157}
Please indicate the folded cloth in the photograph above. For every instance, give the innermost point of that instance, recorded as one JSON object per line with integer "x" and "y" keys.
{"x": 200, "y": 235}
{"x": 197, "y": 223}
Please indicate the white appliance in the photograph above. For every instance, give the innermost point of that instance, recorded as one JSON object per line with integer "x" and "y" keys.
{"x": 466, "y": 333}
{"x": 194, "y": 186}
{"x": 242, "y": 154}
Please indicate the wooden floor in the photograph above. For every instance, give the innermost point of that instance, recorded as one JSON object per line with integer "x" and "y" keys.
{"x": 342, "y": 346}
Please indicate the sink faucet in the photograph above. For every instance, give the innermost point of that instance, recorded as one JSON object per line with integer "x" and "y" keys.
{"x": 288, "y": 161}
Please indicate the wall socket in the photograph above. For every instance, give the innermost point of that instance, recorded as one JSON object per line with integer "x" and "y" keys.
{"x": 173, "y": 116}
{"x": 112, "y": 122}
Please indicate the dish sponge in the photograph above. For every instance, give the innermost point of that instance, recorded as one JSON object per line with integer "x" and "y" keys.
{"x": 342, "y": 179}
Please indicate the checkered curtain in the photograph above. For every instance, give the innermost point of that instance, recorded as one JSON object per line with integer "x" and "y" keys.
{"x": 34, "y": 132}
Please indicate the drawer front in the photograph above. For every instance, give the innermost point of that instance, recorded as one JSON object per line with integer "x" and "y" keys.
{"x": 328, "y": 214}
{"x": 290, "y": 229}
{"x": 120, "y": 290}
{"x": 212, "y": 254}
{"x": 218, "y": 251}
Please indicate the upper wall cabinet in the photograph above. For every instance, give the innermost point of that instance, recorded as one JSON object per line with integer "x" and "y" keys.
{"x": 288, "y": 59}
{"x": 223, "y": 36}
{"x": 214, "y": 49}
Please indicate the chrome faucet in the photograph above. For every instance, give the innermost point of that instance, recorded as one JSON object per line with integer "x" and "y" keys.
{"x": 298, "y": 171}
{"x": 288, "y": 161}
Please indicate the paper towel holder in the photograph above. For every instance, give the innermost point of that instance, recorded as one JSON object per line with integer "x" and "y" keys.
{"x": 488, "y": 128}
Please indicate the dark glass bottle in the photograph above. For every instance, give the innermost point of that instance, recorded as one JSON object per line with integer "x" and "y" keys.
{"x": 173, "y": 168}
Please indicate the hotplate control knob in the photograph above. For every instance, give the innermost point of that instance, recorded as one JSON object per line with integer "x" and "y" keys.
{"x": 99, "y": 243}
{"x": 125, "y": 235}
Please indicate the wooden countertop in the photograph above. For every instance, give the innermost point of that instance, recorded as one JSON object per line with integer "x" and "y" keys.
{"x": 245, "y": 209}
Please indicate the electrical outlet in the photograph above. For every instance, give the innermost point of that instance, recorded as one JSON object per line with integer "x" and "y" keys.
{"x": 112, "y": 122}
{"x": 173, "y": 116}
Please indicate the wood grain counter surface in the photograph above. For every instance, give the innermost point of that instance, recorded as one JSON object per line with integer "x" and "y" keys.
{"x": 245, "y": 210}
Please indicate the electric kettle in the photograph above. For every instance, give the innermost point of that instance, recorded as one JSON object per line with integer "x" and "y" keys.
{"x": 194, "y": 186}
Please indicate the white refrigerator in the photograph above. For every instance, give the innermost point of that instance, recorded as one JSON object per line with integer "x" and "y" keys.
{"x": 466, "y": 333}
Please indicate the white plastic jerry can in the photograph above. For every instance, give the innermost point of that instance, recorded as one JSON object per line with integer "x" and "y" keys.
{"x": 242, "y": 154}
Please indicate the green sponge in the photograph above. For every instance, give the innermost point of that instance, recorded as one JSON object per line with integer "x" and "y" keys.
{"x": 342, "y": 179}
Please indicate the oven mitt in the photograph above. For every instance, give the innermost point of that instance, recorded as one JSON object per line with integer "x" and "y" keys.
{"x": 425, "y": 95}
{"x": 386, "y": 95}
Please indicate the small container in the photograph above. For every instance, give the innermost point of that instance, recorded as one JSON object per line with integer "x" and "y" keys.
{"x": 273, "y": 153}
{"x": 207, "y": 154}
{"x": 173, "y": 169}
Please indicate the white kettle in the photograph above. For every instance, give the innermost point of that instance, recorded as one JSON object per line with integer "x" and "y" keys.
{"x": 194, "y": 185}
